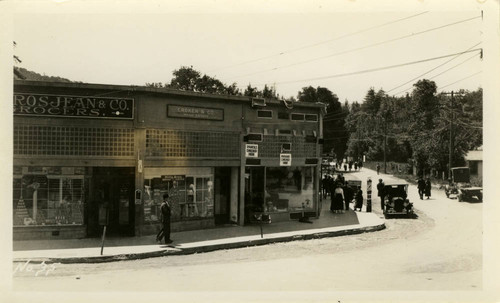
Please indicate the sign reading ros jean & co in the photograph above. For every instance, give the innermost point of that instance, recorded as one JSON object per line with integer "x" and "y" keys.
{"x": 191, "y": 112}
{"x": 73, "y": 106}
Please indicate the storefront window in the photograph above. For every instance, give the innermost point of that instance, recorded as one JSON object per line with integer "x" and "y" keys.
{"x": 48, "y": 200}
{"x": 289, "y": 188}
{"x": 191, "y": 196}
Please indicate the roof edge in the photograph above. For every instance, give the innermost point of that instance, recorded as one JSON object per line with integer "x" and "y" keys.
{"x": 168, "y": 91}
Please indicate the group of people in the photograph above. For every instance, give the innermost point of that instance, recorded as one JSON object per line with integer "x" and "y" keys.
{"x": 341, "y": 194}
{"x": 424, "y": 187}
{"x": 357, "y": 165}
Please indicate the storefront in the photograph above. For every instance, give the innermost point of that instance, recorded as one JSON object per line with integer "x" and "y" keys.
{"x": 282, "y": 166}
{"x": 88, "y": 155}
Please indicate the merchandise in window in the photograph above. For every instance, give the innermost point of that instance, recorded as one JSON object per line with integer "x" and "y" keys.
{"x": 48, "y": 200}
{"x": 190, "y": 197}
{"x": 289, "y": 188}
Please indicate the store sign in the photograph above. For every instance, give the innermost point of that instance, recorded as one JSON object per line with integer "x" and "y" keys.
{"x": 285, "y": 159}
{"x": 73, "y": 106}
{"x": 191, "y": 112}
{"x": 168, "y": 178}
{"x": 251, "y": 150}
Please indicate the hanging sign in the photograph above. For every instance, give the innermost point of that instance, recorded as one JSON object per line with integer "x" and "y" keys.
{"x": 285, "y": 159}
{"x": 251, "y": 150}
{"x": 169, "y": 178}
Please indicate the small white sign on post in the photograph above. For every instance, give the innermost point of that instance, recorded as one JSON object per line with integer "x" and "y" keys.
{"x": 252, "y": 150}
{"x": 285, "y": 159}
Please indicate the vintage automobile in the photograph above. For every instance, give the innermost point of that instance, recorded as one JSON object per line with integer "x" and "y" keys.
{"x": 460, "y": 188}
{"x": 396, "y": 200}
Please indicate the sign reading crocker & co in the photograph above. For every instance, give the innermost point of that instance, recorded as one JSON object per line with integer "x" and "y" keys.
{"x": 73, "y": 106}
{"x": 191, "y": 112}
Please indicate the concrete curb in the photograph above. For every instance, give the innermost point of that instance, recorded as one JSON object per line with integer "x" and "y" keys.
{"x": 172, "y": 251}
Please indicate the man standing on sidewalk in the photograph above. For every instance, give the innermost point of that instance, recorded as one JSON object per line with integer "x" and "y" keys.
{"x": 380, "y": 191}
{"x": 166, "y": 211}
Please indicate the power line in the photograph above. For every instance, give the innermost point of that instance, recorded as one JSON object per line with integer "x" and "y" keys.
{"x": 454, "y": 66}
{"x": 461, "y": 80}
{"x": 378, "y": 68}
{"x": 359, "y": 48}
{"x": 464, "y": 124}
{"x": 431, "y": 69}
{"x": 319, "y": 43}
{"x": 409, "y": 88}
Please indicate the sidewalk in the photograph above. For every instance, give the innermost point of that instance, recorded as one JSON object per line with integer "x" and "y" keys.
{"x": 189, "y": 242}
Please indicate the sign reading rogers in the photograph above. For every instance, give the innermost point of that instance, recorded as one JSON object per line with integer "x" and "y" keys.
{"x": 73, "y": 106}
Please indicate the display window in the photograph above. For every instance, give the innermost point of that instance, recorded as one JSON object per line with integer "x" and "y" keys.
{"x": 289, "y": 189}
{"x": 190, "y": 192}
{"x": 48, "y": 200}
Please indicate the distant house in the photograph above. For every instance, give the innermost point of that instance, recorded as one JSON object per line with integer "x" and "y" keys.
{"x": 474, "y": 160}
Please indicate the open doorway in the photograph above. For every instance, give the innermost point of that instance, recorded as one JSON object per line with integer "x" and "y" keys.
{"x": 222, "y": 190}
{"x": 254, "y": 191}
{"x": 112, "y": 201}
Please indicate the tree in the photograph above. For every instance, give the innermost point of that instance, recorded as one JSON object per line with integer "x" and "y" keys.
{"x": 372, "y": 101}
{"x": 268, "y": 92}
{"x": 308, "y": 94}
{"x": 207, "y": 84}
{"x": 233, "y": 90}
{"x": 424, "y": 111}
{"x": 185, "y": 78}
{"x": 251, "y": 91}
{"x": 416, "y": 127}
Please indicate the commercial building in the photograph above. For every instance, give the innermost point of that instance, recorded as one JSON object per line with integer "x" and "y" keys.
{"x": 88, "y": 155}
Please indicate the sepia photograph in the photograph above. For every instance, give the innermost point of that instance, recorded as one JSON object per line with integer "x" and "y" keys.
{"x": 250, "y": 151}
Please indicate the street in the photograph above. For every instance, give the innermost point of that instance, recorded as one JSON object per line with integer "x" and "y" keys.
{"x": 440, "y": 249}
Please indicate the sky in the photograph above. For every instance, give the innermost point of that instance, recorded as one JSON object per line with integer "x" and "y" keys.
{"x": 135, "y": 42}
{"x": 286, "y": 45}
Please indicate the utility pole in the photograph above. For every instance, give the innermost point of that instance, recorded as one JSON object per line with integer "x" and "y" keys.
{"x": 451, "y": 138}
{"x": 385, "y": 146}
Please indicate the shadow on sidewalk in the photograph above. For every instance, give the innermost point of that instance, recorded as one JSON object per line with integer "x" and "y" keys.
{"x": 327, "y": 219}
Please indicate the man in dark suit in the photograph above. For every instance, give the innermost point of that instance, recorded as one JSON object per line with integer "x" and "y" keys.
{"x": 165, "y": 220}
{"x": 380, "y": 191}
{"x": 421, "y": 187}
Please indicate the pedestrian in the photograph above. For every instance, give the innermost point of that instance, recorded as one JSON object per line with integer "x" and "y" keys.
{"x": 345, "y": 166}
{"x": 330, "y": 185}
{"x": 166, "y": 212}
{"x": 378, "y": 168}
{"x": 356, "y": 166}
{"x": 380, "y": 192}
{"x": 350, "y": 165}
{"x": 359, "y": 199}
{"x": 421, "y": 187}
{"x": 428, "y": 186}
{"x": 348, "y": 196}
{"x": 324, "y": 186}
{"x": 340, "y": 179}
{"x": 337, "y": 204}
{"x": 360, "y": 164}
